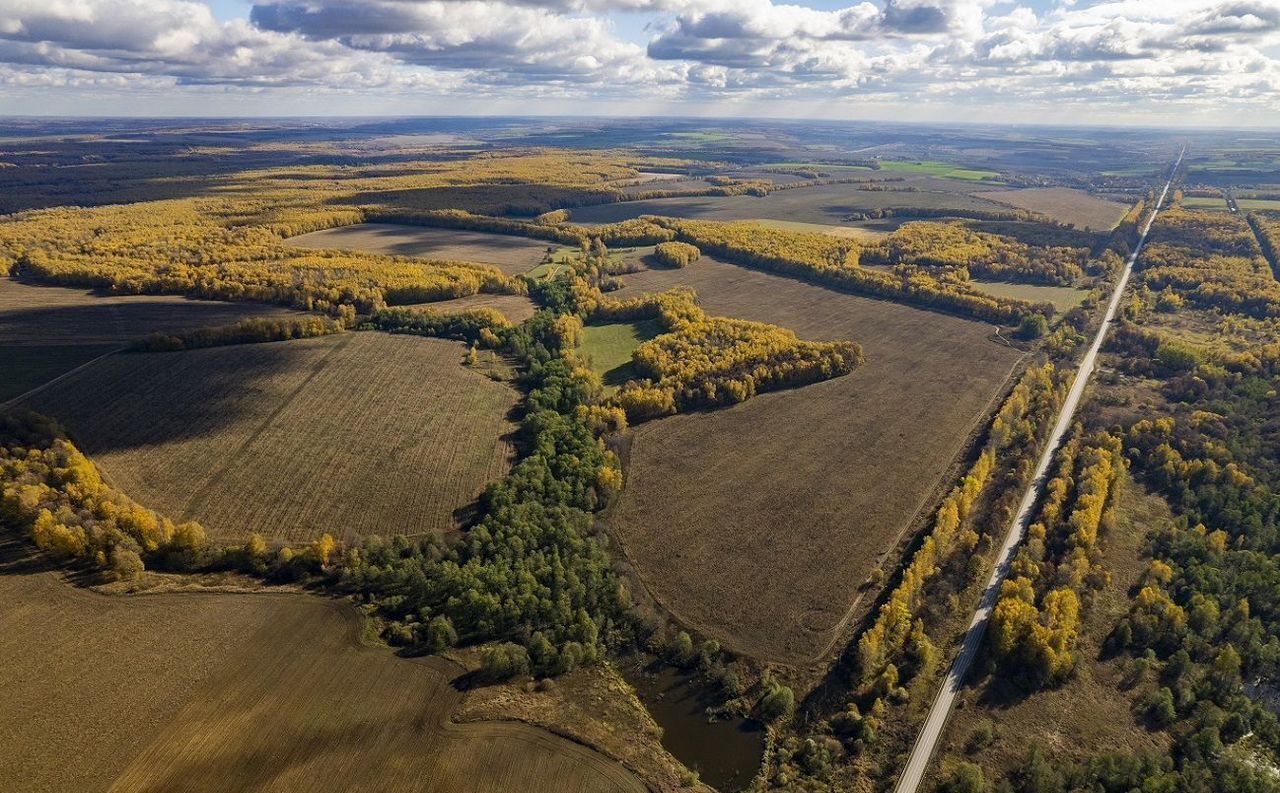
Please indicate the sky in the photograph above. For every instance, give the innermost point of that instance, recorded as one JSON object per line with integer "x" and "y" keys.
{"x": 1148, "y": 62}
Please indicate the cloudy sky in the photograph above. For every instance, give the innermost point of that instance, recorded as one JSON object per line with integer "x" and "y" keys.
{"x": 1116, "y": 61}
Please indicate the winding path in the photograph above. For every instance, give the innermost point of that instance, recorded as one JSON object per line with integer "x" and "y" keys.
{"x": 927, "y": 741}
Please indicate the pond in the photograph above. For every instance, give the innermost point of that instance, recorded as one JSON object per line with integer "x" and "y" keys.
{"x": 726, "y": 753}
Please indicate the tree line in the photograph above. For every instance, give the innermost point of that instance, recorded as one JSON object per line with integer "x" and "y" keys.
{"x": 1035, "y": 623}
{"x": 896, "y": 646}
{"x": 834, "y": 262}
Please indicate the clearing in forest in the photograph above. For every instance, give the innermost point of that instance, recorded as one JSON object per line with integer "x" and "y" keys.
{"x": 1068, "y": 205}
{"x": 48, "y": 330}
{"x": 758, "y": 524}
{"x": 206, "y": 692}
{"x": 512, "y": 255}
{"x": 608, "y": 348}
{"x": 1063, "y": 298}
{"x": 516, "y": 308}
{"x": 353, "y": 434}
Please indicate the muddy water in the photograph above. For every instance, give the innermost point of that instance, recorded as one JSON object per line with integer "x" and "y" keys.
{"x": 726, "y": 754}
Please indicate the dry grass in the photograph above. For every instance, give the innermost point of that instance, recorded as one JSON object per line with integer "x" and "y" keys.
{"x": 1066, "y": 204}
{"x": 48, "y": 330}
{"x": 1094, "y": 708}
{"x": 594, "y": 706}
{"x": 757, "y": 524}
{"x": 512, "y": 255}
{"x": 516, "y": 308}
{"x": 246, "y": 692}
{"x": 354, "y": 434}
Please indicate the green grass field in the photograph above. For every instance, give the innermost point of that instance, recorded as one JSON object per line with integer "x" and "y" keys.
{"x": 1205, "y": 202}
{"x": 609, "y": 348}
{"x": 1259, "y": 204}
{"x": 940, "y": 169}
{"x": 1063, "y": 298}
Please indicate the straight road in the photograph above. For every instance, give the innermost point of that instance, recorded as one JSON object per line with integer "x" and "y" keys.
{"x": 913, "y": 774}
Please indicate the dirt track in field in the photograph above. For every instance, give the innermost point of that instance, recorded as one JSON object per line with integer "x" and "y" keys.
{"x": 757, "y": 524}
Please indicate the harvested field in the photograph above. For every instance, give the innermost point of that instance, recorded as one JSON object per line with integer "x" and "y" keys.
{"x": 248, "y": 692}
{"x": 48, "y": 330}
{"x": 826, "y": 204}
{"x": 516, "y": 308}
{"x": 758, "y": 524}
{"x": 1066, "y": 204}
{"x": 512, "y": 255}
{"x": 353, "y": 434}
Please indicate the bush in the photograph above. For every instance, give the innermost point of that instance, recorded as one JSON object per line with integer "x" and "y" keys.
{"x": 965, "y": 778}
{"x": 676, "y": 254}
{"x": 503, "y": 661}
{"x": 777, "y": 702}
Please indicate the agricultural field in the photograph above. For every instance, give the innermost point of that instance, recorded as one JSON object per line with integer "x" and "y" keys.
{"x": 608, "y": 348}
{"x": 714, "y": 499}
{"x": 1216, "y": 203}
{"x": 830, "y": 204}
{"x": 512, "y": 255}
{"x": 46, "y": 331}
{"x": 939, "y": 169}
{"x": 1076, "y": 207}
{"x": 516, "y": 308}
{"x": 238, "y": 691}
{"x": 354, "y": 434}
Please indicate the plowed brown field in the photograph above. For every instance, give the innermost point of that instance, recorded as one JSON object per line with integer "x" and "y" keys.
{"x": 353, "y": 434}
{"x": 199, "y": 693}
{"x": 757, "y": 524}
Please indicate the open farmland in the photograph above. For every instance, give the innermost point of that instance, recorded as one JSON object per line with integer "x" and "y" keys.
{"x": 354, "y": 434}
{"x": 758, "y": 524}
{"x": 249, "y": 692}
{"x": 1077, "y": 207}
{"x": 48, "y": 330}
{"x": 512, "y": 255}
{"x": 825, "y": 204}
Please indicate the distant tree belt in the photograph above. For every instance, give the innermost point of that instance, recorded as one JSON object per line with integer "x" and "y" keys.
{"x": 246, "y": 331}
{"x": 832, "y": 261}
{"x": 1213, "y": 260}
{"x": 1268, "y": 232}
{"x": 175, "y": 247}
{"x": 896, "y": 646}
{"x": 951, "y": 212}
{"x": 226, "y": 243}
{"x": 1036, "y": 620}
{"x": 624, "y": 233}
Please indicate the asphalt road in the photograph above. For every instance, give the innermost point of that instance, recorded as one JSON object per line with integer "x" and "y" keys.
{"x": 927, "y": 741}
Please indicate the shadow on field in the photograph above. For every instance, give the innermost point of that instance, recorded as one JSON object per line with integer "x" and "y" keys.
{"x": 138, "y": 399}
{"x": 37, "y": 313}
